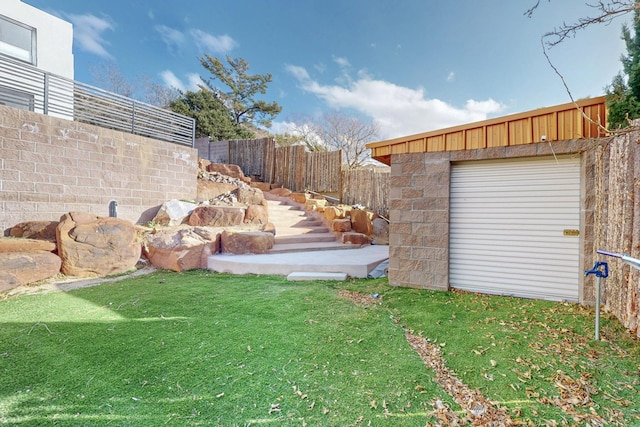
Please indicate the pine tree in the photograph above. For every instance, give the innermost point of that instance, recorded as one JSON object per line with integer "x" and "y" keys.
{"x": 623, "y": 95}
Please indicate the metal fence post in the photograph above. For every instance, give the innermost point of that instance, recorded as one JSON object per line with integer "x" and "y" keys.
{"x": 45, "y": 107}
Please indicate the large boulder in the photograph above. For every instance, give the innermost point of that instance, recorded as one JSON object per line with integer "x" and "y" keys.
{"x": 208, "y": 190}
{"x": 380, "y": 231}
{"x": 40, "y": 230}
{"x": 217, "y": 216}
{"x": 174, "y": 212}
{"x": 250, "y": 196}
{"x": 233, "y": 171}
{"x": 342, "y": 225}
{"x": 90, "y": 245}
{"x": 256, "y": 242}
{"x": 10, "y": 244}
{"x": 183, "y": 248}
{"x": 361, "y": 221}
{"x": 20, "y": 268}
{"x": 256, "y": 214}
{"x": 281, "y": 192}
{"x": 356, "y": 238}
{"x": 262, "y": 186}
{"x": 299, "y": 197}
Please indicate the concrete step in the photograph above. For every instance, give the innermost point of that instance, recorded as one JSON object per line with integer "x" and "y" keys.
{"x": 305, "y": 238}
{"x": 298, "y": 276}
{"x": 284, "y": 248}
{"x": 355, "y": 263}
{"x": 291, "y": 231}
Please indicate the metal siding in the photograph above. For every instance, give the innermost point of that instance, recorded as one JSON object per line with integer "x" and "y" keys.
{"x": 506, "y": 227}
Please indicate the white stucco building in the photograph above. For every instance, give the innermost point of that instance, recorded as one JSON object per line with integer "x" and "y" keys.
{"x": 33, "y": 38}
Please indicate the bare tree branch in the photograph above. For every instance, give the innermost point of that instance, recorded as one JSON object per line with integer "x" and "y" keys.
{"x": 605, "y": 12}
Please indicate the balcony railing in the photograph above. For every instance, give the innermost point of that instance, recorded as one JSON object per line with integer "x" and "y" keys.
{"x": 24, "y": 86}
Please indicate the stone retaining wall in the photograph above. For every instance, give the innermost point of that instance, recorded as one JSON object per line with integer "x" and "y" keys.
{"x": 50, "y": 166}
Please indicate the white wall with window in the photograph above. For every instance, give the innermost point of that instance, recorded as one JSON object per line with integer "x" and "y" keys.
{"x": 36, "y": 37}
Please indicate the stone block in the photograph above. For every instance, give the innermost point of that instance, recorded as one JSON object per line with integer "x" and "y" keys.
{"x": 256, "y": 242}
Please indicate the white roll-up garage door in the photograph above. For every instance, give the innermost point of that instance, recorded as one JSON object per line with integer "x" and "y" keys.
{"x": 514, "y": 226}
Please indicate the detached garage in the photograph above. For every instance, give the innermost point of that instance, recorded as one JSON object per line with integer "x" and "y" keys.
{"x": 514, "y": 227}
{"x": 488, "y": 207}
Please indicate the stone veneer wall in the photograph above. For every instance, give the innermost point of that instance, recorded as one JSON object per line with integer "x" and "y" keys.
{"x": 419, "y": 210}
{"x": 50, "y": 166}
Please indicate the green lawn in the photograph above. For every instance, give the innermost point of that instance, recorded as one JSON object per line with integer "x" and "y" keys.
{"x": 200, "y": 348}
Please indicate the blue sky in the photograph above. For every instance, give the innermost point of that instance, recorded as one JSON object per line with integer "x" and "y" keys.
{"x": 410, "y": 65}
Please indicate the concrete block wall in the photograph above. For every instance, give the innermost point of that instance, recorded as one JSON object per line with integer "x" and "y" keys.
{"x": 419, "y": 209}
{"x": 50, "y": 166}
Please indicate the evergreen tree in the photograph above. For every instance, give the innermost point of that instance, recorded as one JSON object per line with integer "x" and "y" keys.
{"x": 623, "y": 95}
{"x": 213, "y": 119}
{"x": 241, "y": 98}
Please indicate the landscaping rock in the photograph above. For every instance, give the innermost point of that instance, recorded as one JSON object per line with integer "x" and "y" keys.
{"x": 216, "y": 216}
{"x": 90, "y": 245}
{"x": 256, "y": 214}
{"x": 341, "y": 225}
{"x": 250, "y": 196}
{"x": 356, "y": 238}
{"x": 40, "y": 230}
{"x": 380, "y": 231}
{"x": 233, "y": 171}
{"x": 182, "y": 249}
{"x": 361, "y": 221}
{"x": 21, "y": 268}
{"x": 262, "y": 186}
{"x": 315, "y": 204}
{"x": 14, "y": 244}
{"x": 281, "y": 192}
{"x": 174, "y": 212}
{"x": 208, "y": 190}
{"x": 299, "y": 197}
{"x": 256, "y": 242}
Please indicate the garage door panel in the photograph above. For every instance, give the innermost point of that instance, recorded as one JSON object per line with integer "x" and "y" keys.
{"x": 507, "y": 227}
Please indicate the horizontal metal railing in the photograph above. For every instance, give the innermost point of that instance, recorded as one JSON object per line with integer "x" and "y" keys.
{"x": 27, "y": 87}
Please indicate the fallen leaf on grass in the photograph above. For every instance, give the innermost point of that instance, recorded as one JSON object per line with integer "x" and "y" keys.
{"x": 275, "y": 407}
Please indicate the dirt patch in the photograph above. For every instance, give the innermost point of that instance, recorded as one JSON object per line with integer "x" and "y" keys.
{"x": 364, "y": 300}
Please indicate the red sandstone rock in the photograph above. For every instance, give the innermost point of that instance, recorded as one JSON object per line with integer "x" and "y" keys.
{"x": 250, "y": 196}
{"x": 281, "y": 192}
{"x": 256, "y": 214}
{"x": 208, "y": 190}
{"x": 299, "y": 197}
{"x": 233, "y": 171}
{"x": 380, "y": 231}
{"x": 182, "y": 249}
{"x": 257, "y": 242}
{"x": 90, "y": 245}
{"x": 356, "y": 238}
{"x": 20, "y": 268}
{"x": 217, "y": 216}
{"x": 41, "y": 230}
{"x": 342, "y": 225}
{"x": 361, "y": 221}
{"x": 263, "y": 186}
{"x": 11, "y": 244}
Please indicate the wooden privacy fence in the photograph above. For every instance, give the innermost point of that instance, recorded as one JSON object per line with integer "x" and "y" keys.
{"x": 617, "y": 223}
{"x": 368, "y": 187}
{"x": 298, "y": 170}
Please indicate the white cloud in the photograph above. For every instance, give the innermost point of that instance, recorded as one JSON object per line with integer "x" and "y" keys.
{"x": 174, "y": 39}
{"x": 213, "y": 44}
{"x": 399, "y": 110}
{"x": 87, "y": 33}
{"x": 451, "y": 76}
{"x": 173, "y": 81}
{"x": 342, "y": 62}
